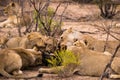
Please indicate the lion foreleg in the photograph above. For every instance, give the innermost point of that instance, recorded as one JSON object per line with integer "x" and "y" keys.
{"x": 62, "y": 71}
{"x": 6, "y": 23}
{"x": 17, "y": 72}
{"x": 53, "y": 70}
{"x": 4, "y": 73}
{"x": 114, "y": 76}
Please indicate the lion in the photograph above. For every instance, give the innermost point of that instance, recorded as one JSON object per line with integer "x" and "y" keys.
{"x": 14, "y": 12}
{"x": 51, "y": 45}
{"x": 69, "y": 36}
{"x": 99, "y": 45}
{"x": 30, "y": 57}
{"x": 3, "y": 41}
{"x": 92, "y": 63}
{"x": 28, "y": 42}
{"x": 80, "y": 43}
{"x": 12, "y": 60}
{"x": 84, "y": 46}
{"x": 33, "y": 40}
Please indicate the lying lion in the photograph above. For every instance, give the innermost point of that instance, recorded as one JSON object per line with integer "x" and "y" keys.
{"x": 15, "y": 17}
{"x": 99, "y": 45}
{"x": 32, "y": 40}
{"x": 70, "y": 36}
{"x": 27, "y": 42}
{"x": 12, "y": 60}
{"x": 92, "y": 63}
{"x": 84, "y": 46}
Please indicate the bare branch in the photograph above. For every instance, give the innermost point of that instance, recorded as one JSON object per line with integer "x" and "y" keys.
{"x": 107, "y": 30}
{"x": 60, "y": 22}
{"x": 54, "y": 14}
{"x": 109, "y": 63}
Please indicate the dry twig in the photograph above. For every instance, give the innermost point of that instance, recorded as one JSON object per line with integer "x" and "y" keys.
{"x": 109, "y": 63}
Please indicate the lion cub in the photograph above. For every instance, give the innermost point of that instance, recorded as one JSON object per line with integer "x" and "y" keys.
{"x": 12, "y": 60}
{"x": 15, "y": 17}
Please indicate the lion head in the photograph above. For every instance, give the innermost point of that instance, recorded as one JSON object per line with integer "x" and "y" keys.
{"x": 12, "y": 9}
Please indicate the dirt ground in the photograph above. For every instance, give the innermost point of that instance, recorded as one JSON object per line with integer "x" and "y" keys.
{"x": 85, "y": 17}
{"x": 33, "y": 72}
{"x": 81, "y": 17}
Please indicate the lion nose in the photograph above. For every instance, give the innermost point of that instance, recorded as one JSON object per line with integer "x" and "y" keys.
{"x": 4, "y": 10}
{"x": 75, "y": 39}
{"x": 63, "y": 47}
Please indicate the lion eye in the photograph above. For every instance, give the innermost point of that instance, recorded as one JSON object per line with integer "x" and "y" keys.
{"x": 40, "y": 38}
{"x": 61, "y": 37}
{"x": 45, "y": 44}
{"x": 75, "y": 40}
{"x": 75, "y": 44}
{"x": 85, "y": 41}
{"x": 13, "y": 4}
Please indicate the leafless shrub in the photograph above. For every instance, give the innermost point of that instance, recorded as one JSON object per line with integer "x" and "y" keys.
{"x": 83, "y": 1}
{"x": 45, "y": 18}
{"x": 108, "y": 65}
{"x": 4, "y": 2}
{"x": 107, "y": 8}
{"x": 108, "y": 29}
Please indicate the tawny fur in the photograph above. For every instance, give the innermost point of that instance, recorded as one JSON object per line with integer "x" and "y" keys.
{"x": 99, "y": 45}
{"x": 51, "y": 44}
{"x": 12, "y": 60}
{"x": 27, "y": 42}
{"x": 92, "y": 63}
{"x": 15, "y": 17}
{"x": 33, "y": 40}
{"x": 70, "y": 36}
{"x": 84, "y": 46}
{"x": 3, "y": 41}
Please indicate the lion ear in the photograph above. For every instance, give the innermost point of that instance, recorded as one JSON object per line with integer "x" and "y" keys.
{"x": 28, "y": 36}
{"x": 13, "y": 4}
{"x": 70, "y": 30}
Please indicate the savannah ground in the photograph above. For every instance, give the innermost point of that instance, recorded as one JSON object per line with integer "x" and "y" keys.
{"x": 81, "y": 17}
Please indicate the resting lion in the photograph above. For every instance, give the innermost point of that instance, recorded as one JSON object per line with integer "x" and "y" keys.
{"x": 98, "y": 45}
{"x": 12, "y": 60}
{"x": 33, "y": 40}
{"x": 84, "y": 46}
{"x": 70, "y": 36}
{"x": 15, "y": 17}
{"x": 27, "y": 42}
{"x": 92, "y": 63}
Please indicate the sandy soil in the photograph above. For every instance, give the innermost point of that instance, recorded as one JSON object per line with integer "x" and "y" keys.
{"x": 86, "y": 18}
